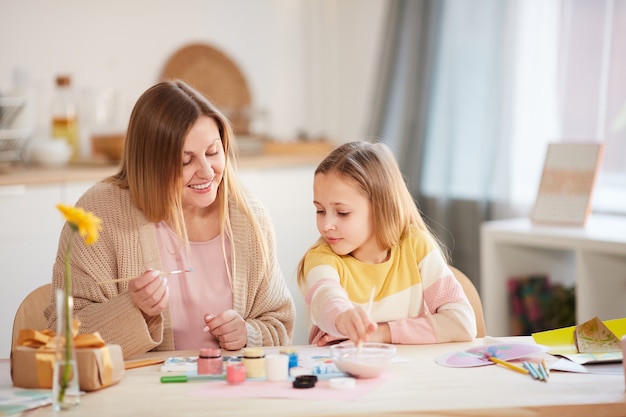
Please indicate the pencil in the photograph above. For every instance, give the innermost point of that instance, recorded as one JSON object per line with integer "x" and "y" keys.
{"x": 533, "y": 371}
{"x": 509, "y": 365}
{"x": 543, "y": 371}
{"x": 145, "y": 362}
{"x": 545, "y": 366}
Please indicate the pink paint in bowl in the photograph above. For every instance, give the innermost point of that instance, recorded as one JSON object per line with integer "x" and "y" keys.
{"x": 370, "y": 362}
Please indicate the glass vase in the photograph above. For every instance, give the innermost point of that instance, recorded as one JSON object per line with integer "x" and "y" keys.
{"x": 65, "y": 387}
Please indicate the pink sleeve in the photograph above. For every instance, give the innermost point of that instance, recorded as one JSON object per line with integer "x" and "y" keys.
{"x": 448, "y": 317}
{"x": 412, "y": 331}
{"x": 327, "y": 299}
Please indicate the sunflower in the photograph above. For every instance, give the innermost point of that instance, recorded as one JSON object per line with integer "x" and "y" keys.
{"x": 88, "y": 226}
{"x": 86, "y": 223}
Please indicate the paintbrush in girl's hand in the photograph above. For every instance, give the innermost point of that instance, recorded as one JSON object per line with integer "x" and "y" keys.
{"x": 162, "y": 274}
{"x": 359, "y": 345}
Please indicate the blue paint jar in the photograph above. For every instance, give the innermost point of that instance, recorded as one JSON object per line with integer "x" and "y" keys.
{"x": 293, "y": 356}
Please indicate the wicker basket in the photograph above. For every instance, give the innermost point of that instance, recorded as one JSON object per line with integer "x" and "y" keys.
{"x": 217, "y": 77}
{"x": 111, "y": 145}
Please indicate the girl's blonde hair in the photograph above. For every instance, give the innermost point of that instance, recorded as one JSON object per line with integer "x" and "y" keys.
{"x": 152, "y": 163}
{"x": 373, "y": 168}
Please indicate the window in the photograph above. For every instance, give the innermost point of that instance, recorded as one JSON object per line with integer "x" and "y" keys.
{"x": 592, "y": 92}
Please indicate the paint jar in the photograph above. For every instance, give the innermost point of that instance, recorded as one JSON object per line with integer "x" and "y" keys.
{"x": 210, "y": 362}
{"x": 235, "y": 373}
{"x": 292, "y": 354}
{"x": 254, "y": 361}
{"x": 277, "y": 367}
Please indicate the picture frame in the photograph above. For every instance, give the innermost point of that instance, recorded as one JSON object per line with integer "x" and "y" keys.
{"x": 567, "y": 182}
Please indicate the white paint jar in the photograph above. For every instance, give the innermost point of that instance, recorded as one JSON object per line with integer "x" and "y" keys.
{"x": 276, "y": 367}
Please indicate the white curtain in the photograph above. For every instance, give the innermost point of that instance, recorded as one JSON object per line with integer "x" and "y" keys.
{"x": 490, "y": 116}
{"x": 471, "y": 93}
{"x": 592, "y": 89}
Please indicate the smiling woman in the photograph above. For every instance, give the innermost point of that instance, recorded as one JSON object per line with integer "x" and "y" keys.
{"x": 175, "y": 204}
{"x": 204, "y": 162}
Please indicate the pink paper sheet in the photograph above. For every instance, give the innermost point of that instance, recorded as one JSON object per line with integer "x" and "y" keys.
{"x": 264, "y": 389}
{"x": 475, "y": 356}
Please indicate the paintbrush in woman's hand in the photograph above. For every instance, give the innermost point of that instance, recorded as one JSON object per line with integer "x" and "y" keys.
{"x": 162, "y": 274}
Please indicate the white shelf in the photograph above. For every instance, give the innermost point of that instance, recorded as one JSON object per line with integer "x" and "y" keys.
{"x": 593, "y": 258}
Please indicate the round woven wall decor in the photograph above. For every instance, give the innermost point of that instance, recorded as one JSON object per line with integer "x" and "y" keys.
{"x": 217, "y": 77}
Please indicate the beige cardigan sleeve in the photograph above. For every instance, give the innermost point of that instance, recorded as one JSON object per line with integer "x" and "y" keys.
{"x": 125, "y": 248}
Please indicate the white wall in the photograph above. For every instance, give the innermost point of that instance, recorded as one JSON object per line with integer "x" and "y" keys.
{"x": 294, "y": 223}
{"x": 309, "y": 63}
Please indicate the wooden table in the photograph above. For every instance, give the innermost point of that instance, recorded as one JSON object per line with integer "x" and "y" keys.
{"x": 417, "y": 387}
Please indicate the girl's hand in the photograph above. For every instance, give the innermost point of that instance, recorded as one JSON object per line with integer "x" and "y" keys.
{"x": 320, "y": 338}
{"x": 149, "y": 293}
{"x": 355, "y": 324}
{"x": 228, "y": 328}
{"x": 325, "y": 339}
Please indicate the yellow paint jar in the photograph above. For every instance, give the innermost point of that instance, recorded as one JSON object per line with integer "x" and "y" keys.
{"x": 254, "y": 361}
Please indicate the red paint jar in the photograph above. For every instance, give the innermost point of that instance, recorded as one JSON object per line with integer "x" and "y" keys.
{"x": 210, "y": 362}
{"x": 235, "y": 373}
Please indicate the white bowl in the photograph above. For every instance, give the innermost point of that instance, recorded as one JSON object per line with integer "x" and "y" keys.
{"x": 50, "y": 152}
{"x": 370, "y": 362}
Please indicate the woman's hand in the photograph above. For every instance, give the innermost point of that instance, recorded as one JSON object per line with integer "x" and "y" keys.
{"x": 355, "y": 324}
{"x": 228, "y": 328}
{"x": 149, "y": 292}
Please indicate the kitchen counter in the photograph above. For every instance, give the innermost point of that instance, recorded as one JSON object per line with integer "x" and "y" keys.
{"x": 35, "y": 175}
{"x": 274, "y": 156}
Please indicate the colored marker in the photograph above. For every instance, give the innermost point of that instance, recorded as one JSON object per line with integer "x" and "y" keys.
{"x": 191, "y": 377}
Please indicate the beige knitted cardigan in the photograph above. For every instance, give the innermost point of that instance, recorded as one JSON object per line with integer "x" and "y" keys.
{"x": 128, "y": 245}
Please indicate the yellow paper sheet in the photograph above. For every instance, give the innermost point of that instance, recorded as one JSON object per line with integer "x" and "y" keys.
{"x": 561, "y": 341}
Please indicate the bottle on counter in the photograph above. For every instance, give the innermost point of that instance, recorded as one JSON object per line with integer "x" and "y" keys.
{"x": 64, "y": 113}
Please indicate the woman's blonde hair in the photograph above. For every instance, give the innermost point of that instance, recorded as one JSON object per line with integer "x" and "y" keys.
{"x": 373, "y": 168}
{"x": 151, "y": 167}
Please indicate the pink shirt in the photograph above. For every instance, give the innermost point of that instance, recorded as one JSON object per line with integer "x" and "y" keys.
{"x": 193, "y": 294}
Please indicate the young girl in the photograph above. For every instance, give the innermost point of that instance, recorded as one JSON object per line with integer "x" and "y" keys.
{"x": 374, "y": 245}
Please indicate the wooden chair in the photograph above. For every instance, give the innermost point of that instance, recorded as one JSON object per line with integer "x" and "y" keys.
{"x": 29, "y": 314}
{"x": 474, "y": 299}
